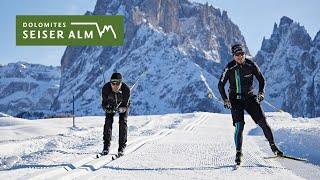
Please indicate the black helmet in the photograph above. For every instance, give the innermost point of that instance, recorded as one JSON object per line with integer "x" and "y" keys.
{"x": 237, "y": 48}
{"x": 116, "y": 77}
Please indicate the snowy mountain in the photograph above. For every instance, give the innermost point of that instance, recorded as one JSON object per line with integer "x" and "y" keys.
{"x": 178, "y": 46}
{"x": 28, "y": 90}
{"x": 290, "y": 61}
{"x": 4, "y": 115}
{"x": 171, "y": 146}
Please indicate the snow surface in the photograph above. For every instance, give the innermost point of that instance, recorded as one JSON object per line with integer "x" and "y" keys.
{"x": 173, "y": 146}
{"x": 4, "y": 115}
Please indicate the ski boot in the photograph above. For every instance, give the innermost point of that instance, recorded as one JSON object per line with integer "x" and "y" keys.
{"x": 120, "y": 152}
{"x": 276, "y": 150}
{"x": 103, "y": 153}
{"x": 238, "y": 157}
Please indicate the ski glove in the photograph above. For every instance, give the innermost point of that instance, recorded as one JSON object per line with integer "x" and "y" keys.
{"x": 260, "y": 97}
{"x": 227, "y": 104}
{"x": 122, "y": 109}
{"x": 109, "y": 108}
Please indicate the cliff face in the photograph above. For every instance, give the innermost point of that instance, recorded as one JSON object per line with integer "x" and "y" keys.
{"x": 290, "y": 61}
{"x": 27, "y": 87}
{"x": 181, "y": 46}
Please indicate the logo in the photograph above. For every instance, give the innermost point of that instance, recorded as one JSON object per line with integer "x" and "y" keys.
{"x": 70, "y": 30}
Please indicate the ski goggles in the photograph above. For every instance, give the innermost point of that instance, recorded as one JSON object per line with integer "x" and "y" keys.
{"x": 239, "y": 54}
{"x": 115, "y": 83}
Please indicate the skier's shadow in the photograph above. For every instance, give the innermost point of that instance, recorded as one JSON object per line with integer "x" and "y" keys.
{"x": 168, "y": 169}
{"x": 39, "y": 166}
{"x": 231, "y": 167}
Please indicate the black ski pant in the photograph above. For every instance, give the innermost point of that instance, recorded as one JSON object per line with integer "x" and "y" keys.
{"x": 253, "y": 108}
{"x": 123, "y": 128}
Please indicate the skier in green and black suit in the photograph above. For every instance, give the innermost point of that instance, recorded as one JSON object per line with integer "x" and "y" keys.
{"x": 240, "y": 72}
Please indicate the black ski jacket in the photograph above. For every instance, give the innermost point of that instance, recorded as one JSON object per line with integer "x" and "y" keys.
{"x": 115, "y": 99}
{"x": 240, "y": 78}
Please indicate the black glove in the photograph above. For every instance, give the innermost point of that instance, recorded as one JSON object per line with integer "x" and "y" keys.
{"x": 227, "y": 104}
{"x": 260, "y": 97}
{"x": 110, "y": 108}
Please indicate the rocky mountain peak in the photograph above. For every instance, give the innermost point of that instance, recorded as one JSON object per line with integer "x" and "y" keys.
{"x": 289, "y": 61}
{"x": 188, "y": 43}
{"x": 285, "y": 21}
{"x": 26, "y": 87}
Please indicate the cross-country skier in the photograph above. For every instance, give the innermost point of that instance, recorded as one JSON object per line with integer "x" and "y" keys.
{"x": 240, "y": 72}
{"x": 115, "y": 98}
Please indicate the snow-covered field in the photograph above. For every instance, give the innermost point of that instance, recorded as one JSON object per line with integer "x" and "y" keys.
{"x": 172, "y": 146}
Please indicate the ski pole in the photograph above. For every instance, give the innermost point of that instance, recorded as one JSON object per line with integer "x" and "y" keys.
{"x": 138, "y": 80}
{"x": 101, "y": 69}
{"x": 210, "y": 92}
{"x": 210, "y": 96}
{"x": 269, "y": 104}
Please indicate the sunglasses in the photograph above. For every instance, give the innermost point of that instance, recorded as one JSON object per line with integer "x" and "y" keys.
{"x": 239, "y": 54}
{"x": 115, "y": 83}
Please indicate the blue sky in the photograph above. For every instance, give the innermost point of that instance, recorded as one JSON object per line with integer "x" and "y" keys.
{"x": 254, "y": 18}
{"x": 48, "y": 55}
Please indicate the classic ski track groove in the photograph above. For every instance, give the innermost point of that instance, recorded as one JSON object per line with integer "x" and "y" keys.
{"x": 193, "y": 124}
{"x": 45, "y": 173}
{"x": 189, "y": 128}
{"x": 84, "y": 166}
{"x": 96, "y": 164}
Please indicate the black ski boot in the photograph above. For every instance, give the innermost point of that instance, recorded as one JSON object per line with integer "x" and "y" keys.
{"x": 105, "y": 152}
{"x": 120, "y": 152}
{"x": 238, "y": 157}
{"x": 276, "y": 150}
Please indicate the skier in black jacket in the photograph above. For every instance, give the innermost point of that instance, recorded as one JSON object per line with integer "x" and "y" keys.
{"x": 115, "y": 98}
{"x": 239, "y": 72}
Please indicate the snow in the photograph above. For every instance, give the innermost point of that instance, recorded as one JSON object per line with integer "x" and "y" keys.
{"x": 122, "y": 11}
{"x": 292, "y": 133}
{"x": 171, "y": 58}
{"x": 23, "y": 66}
{"x": 167, "y": 71}
{"x": 24, "y": 83}
{"x": 211, "y": 55}
{"x": 172, "y": 146}
{"x": 3, "y": 115}
{"x": 288, "y": 60}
